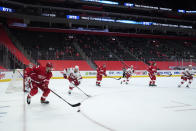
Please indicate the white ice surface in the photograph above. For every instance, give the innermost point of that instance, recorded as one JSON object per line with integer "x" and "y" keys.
{"x": 113, "y": 107}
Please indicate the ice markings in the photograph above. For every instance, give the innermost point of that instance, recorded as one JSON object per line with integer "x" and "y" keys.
{"x": 180, "y": 106}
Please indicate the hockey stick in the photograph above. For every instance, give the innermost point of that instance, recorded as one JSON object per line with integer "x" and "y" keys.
{"x": 20, "y": 74}
{"x": 114, "y": 78}
{"x": 73, "y": 105}
{"x": 83, "y": 91}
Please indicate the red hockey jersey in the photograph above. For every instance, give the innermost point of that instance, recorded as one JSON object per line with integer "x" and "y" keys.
{"x": 27, "y": 72}
{"x": 101, "y": 70}
{"x": 152, "y": 69}
{"x": 39, "y": 75}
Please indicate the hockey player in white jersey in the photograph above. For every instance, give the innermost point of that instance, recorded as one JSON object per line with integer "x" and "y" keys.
{"x": 187, "y": 76}
{"x": 128, "y": 73}
{"x": 74, "y": 77}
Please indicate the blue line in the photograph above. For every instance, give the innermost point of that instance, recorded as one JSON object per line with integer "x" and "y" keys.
{"x": 3, "y": 112}
{"x": 4, "y": 106}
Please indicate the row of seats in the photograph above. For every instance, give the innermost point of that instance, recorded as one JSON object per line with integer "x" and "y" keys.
{"x": 118, "y": 65}
{"x": 62, "y": 64}
{"x": 4, "y": 39}
{"x": 112, "y": 65}
{"x": 47, "y": 45}
{"x": 58, "y": 45}
{"x": 115, "y": 52}
{"x": 2, "y": 68}
{"x": 169, "y": 65}
{"x": 102, "y": 47}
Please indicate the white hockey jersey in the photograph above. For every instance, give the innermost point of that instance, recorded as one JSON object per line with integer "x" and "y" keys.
{"x": 188, "y": 72}
{"x": 129, "y": 71}
{"x": 69, "y": 72}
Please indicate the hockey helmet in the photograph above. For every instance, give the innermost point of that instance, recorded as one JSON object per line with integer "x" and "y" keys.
{"x": 190, "y": 67}
{"x": 30, "y": 65}
{"x": 49, "y": 65}
{"x": 153, "y": 63}
{"x": 77, "y": 67}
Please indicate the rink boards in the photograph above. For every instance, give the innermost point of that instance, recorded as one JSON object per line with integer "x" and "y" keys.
{"x": 7, "y": 75}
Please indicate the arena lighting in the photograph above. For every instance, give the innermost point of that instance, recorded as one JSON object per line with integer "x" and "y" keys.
{"x": 98, "y": 19}
{"x": 181, "y": 11}
{"x": 134, "y": 22}
{"x": 167, "y": 9}
{"x": 4, "y": 9}
{"x": 95, "y": 30}
{"x": 102, "y": 1}
{"x": 145, "y": 6}
{"x": 127, "y": 21}
{"x": 75, "y": 17}
{"x": 149, "y": 7}
{"x": 49, "y": 15}
{"x": 183, "y": 26}
{"x": 129, "y": 4}
{"x": 189, "y": 11}
{"x": 18, "y": 24}
{"x": 160, "y": 24}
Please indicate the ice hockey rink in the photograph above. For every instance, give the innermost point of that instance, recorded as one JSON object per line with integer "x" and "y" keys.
{"x": 112, "y": 107}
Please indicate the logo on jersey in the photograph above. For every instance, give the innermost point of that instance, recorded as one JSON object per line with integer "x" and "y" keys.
{"x": 41, "y": 77}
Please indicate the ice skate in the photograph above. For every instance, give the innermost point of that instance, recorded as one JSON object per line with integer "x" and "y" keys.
{"x": 187, "y": 86}
{"x": 28, "y": 100}
{"x": 44, "y": 102}
{"x": 69, "y": 92}
{"x": 150, "y": 85}
{"x": 26, "y": 91}
{"x": 98, "y": 85}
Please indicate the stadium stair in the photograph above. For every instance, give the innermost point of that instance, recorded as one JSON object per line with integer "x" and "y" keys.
{"x": 8, "y": 43}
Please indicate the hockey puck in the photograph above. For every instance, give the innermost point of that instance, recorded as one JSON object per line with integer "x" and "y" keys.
{"x": 78, "y": 111}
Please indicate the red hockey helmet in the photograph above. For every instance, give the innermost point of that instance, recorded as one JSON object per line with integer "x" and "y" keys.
{"x": 153, "y": 63}
{"x": 49, "y": 65}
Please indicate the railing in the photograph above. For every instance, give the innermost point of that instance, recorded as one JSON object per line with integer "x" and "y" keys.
{"x": 8, "y": 59}
{"x": 178, "y": 64}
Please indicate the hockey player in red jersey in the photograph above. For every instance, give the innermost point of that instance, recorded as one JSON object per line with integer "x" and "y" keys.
{"x": 74, "y": 77}
{"x": 128, "y": 73}
{"x": 27, "y": 79}
{"x": 152, "y": 71}
{"x": 101, "y": 70}
{"x": 40, "y": 77}
{"x": 187, "y": 74}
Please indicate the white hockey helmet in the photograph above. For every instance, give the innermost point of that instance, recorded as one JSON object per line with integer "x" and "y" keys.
{"x": 77, "y": 67}
{"x": 190, "y": 67}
